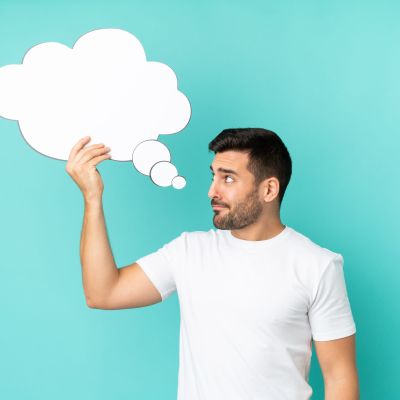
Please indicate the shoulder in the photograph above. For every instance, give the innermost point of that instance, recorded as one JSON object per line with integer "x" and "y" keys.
{"x": 194, "y": 243}
{"x": 306, "y": 248}
{"x": 311, "y": 260}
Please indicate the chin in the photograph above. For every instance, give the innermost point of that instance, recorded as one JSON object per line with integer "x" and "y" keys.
{"x": 218, "y": 225}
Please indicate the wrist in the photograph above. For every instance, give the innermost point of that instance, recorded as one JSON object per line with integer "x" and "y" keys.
{"x": 93, "y": 201}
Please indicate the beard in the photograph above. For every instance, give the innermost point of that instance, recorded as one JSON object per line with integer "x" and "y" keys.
{"x": 241, "y": 215}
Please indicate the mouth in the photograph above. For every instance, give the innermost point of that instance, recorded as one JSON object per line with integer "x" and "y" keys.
{"x": 218, "y": 207}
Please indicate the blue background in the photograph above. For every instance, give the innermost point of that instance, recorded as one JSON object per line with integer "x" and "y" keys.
{"x": 323, "y": 75}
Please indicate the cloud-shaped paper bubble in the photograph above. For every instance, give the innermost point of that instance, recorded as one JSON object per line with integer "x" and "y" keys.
{"x": 103, "y": 87}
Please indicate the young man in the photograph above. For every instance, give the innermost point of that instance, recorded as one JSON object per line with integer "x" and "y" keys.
{"x": 253, "y": 293}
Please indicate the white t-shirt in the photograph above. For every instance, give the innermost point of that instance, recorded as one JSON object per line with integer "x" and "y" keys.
{"x": 249, "y": 310}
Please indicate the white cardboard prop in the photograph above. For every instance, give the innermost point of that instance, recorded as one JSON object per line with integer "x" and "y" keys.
{"x": 104, "y": 88}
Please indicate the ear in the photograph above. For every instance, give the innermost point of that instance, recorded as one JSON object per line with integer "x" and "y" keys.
{"x": 270, "y": 189}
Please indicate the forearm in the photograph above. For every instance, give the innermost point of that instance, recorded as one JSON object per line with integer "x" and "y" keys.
{"x": 342, "y": 389}
{"x": 99, "y": 271}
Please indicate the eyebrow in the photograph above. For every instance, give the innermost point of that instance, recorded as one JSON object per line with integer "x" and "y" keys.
{"x": 225, "y": 170}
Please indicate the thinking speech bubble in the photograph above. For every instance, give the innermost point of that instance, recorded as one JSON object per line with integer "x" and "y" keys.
{"x": 102, "y": 87}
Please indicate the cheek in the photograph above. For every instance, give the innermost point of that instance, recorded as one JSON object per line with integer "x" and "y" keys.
{"x": 232, "y": 196}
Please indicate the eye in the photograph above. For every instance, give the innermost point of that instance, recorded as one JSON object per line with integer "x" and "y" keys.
{"x": 228, "y": 176}
{"x": 225, "y": 177}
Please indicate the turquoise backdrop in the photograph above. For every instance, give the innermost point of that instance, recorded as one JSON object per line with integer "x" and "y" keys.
{"x": 323, "y": 74}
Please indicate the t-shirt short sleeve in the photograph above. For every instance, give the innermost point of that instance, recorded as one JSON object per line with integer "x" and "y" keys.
{"x": 330, "y": 314}
{"x": 161, "y": 266}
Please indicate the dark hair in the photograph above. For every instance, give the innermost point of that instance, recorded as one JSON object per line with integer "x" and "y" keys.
{"x": 268, "y": 155}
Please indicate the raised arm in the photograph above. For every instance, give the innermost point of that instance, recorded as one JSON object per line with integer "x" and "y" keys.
{"x": 105, "y": 285}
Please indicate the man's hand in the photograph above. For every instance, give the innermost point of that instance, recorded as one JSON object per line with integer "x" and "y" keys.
{"x": 81, "y": 166}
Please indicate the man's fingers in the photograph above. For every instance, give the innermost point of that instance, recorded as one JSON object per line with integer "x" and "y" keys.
{"x": 92, "y": 153}
{"x": 87, "y": 150}
{"x": 78, "y": 146}
{"x": 95, "y": 160}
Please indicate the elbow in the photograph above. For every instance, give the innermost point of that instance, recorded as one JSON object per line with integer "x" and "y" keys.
{"x": 90, "y": 303}
{"x": 95, "y": 304}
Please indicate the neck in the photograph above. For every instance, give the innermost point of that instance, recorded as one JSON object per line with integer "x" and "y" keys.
{"x": 260, "y": 230}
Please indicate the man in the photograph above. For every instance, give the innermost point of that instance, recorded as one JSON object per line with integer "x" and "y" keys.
{"x": 253, "y": 293}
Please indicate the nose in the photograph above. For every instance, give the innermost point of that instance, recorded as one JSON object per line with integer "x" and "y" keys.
{"x": 212, "y": 193}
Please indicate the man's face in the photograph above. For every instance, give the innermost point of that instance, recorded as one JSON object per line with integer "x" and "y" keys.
{"x": 233, "y": 190}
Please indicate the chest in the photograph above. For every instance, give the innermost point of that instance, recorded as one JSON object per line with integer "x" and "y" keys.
{"x": 244, "y": 290}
